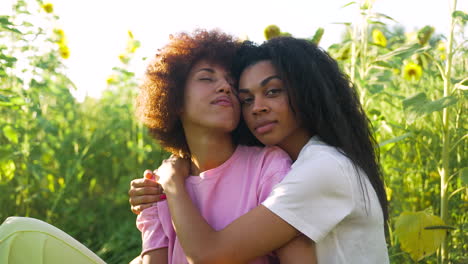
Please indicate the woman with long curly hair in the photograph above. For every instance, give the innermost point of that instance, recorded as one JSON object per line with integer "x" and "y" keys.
{"x": 294, "y": 96}
{"x": 190, "y": 107}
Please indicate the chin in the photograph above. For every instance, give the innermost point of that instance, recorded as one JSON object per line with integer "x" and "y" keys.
{"x": 228, "y": 127}
{"x": 267, "y": 140}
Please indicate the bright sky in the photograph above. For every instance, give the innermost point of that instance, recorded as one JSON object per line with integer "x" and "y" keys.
{"x": 97, "y": 29}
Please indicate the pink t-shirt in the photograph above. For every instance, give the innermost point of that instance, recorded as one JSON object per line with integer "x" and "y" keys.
{"x": 222, "y": 195}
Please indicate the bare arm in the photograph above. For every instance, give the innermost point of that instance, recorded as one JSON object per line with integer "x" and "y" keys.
{"x": 299, "y": 250}
{"x": 157, "y": 256}
{"x": 254, "y": 234}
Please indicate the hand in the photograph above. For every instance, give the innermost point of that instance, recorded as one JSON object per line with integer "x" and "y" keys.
{"x": 144, "y": 192}
{"x": 173, "y": 171}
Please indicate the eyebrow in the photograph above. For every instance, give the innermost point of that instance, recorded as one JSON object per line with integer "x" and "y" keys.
{"x": 206, "y": 69}
{"x": 262, "y": 83}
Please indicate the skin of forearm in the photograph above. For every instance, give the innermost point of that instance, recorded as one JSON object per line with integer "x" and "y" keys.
{"x": 247, "y": 237}
{"x": 194, "y": 233}
{"x": 299, "y": 250}
{"x": 157, "y": 256}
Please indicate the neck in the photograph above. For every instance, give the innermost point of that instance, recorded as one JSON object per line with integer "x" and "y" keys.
{"x": 295, "y": 142}
{"x": 208, "y": 149}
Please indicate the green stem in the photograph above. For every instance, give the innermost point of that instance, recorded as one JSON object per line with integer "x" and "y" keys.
{"x": 353, "y": 55}
{"x": 446, "y": 138}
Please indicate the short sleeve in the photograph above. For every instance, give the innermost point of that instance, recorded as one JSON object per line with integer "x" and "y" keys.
{"x": 152, "y": 232}
{"x": 277, "y": 164}
{"x": 314, "y": 196}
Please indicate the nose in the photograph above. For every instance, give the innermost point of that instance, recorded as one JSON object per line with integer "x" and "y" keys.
{"x": 224, "y": 87}
{"x": 259, "y": 107}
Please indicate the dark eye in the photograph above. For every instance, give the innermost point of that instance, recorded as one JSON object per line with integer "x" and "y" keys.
{"x": 206, "y": 79}
{"x": 246, "y": 100}
{"x": 273, "y": 92}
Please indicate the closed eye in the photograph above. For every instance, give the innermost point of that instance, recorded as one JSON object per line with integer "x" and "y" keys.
{"x": 206, "y": 79}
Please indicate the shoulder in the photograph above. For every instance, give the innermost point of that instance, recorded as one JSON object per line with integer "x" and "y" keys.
{"x": 324, "y": 158}
{"x": 265, "y": 163}
{"x": 322, "y": 168}
{"x": 265, "y": 154}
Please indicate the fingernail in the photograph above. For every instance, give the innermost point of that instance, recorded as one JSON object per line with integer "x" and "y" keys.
{"x": 163, "y": 196}
{"x": 148, "y": 174}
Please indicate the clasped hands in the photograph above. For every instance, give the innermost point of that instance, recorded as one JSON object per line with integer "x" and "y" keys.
{"x": 154, "y": 185}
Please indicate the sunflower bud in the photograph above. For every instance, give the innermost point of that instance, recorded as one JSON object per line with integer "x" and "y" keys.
{"x": 272, "y": 31}
{"x": 48, "y": 7}
{"x": 425, "y": 34}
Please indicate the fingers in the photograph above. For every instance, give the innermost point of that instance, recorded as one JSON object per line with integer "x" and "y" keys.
{"x": 137, "y": 209}
{"x": 144, "y": 199}
{"x": 137, "y": 205}
{"x": 143, "y": 182}
{"x": 153, "y": 190}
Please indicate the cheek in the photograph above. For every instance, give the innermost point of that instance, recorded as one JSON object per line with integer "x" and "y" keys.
{"x": 247, "y": 118}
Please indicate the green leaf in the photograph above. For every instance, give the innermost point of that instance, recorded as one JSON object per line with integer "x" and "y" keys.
{"x": 5, "y": 20}
{"x": 402, "y": 52}
{"x": 348, "y": 4}
{"x": 413, "y": 106}
{"x": 10, "y": 133}
{"x": 415, "y": 239}
{"x": 384, "y": 64}
{"x": 7, "y": 170}
{"x": 376, "y": 88}
{"x": 395, "y": 139}
{"x": 318, "y": 36}
{"x": 460, "y": 14}
{"x": 464, "y": 176}
{"x": 440, "y": 104}
{"x": 418, "y": 105}
{"x": 375, "y": 22}
{"x": 385, "y": 16}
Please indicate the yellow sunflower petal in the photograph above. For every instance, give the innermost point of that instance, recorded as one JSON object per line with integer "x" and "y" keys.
{"x": 379, "y": 38}
{"x": 412, "y": 72}
{"x": 48, "y": 7}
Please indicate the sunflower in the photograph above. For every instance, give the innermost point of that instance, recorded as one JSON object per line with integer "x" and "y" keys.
{"x": 412, "y": 72}
{"x": 48, "y": 7}
{"x": 441, "y": 50}
{"x": 64, "y": 51}
{"x": 379, "y": 38}
{"x": 60, "y": 37}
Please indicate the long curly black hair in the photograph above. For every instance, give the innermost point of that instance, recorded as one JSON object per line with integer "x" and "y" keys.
{"x": 324, "y": 100}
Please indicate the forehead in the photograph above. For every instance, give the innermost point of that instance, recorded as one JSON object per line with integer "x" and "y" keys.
{"x": 254, "y": 74}
{"x": 207, "y": 65}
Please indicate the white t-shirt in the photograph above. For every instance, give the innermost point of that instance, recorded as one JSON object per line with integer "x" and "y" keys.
{"x": 322, "y": 198}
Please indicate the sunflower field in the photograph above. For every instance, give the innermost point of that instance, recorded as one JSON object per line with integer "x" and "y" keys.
{"x": 69, "y": 163}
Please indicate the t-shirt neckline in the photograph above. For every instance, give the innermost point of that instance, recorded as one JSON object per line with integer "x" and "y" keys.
{"x": 215, "y": 172}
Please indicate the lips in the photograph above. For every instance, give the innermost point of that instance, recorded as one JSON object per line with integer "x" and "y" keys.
{"x": 222, "y": 101}
{"x": 265, "y": 127}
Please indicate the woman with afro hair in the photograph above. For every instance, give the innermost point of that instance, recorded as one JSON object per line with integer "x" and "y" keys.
{"x": 189, "y": 104}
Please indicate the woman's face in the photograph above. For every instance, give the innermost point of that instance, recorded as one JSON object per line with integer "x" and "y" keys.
{"x": 265, "y": 104}
{"x": 209, "y": 101}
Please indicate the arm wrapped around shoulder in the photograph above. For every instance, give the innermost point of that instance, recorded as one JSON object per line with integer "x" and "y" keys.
{"x": 314, "y": 196}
